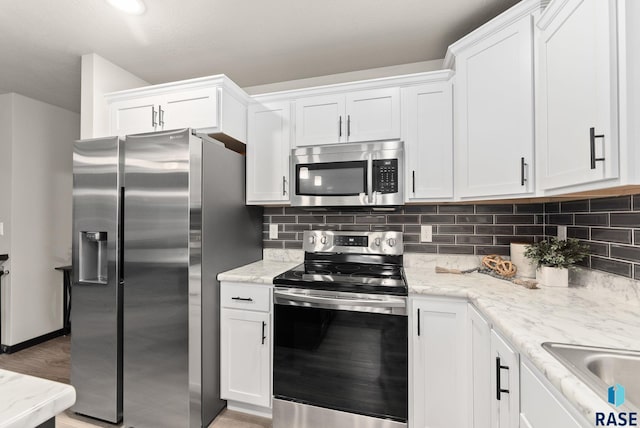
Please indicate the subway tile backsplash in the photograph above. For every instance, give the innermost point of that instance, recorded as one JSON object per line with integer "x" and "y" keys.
{"x": 610, "y": 226}
{"x": 457, "y": 229}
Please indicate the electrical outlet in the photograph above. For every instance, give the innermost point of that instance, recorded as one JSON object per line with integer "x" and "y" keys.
{"x": 1, "y": 228}
{"x": 562, "y": 232}
{"x": 273, "y": 231}
{"x": 426, "y": 233}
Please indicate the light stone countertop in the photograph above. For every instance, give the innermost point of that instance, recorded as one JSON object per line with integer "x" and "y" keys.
{"x": 27, "y": 401}
{"x": 527, "y": 318}
{"x": 260, "y": 272}
{"x": 594, "y": 316}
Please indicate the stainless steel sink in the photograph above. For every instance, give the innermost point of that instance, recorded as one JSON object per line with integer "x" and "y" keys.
{"x": 600, "y": 368}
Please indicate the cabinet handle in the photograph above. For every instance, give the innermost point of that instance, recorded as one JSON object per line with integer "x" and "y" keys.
{"x": 592, "y": 143}
{"x": 499, "y": 389}
{"x": 284, "y": 185}
{"x": 418, "y": 321}
{"x": 264, "y": 325}
{"x": 153, "y": 116}
{"x": 523, "y": 166}
{"x": 160, "y": 116}
{"x": 340, "y": 126}
{"x": 348, "y": 125}
{"x": 244, "y": 299}
{"x": 413, "y": 177}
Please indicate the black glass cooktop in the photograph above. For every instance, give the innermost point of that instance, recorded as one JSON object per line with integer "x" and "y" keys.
{"x": 350, "y": 277}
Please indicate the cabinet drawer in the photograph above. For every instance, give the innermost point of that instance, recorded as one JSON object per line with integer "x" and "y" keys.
{"x": 245, "y": 296}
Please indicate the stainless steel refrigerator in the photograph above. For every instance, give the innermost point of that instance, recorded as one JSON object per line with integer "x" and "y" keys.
{"x": 155, "y": 218}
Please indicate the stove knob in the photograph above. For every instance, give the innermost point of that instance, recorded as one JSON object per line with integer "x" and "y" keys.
{"x": 312, "y": 239}
{"x": 391, "y": 242}
{"x": 323, "y": 240}
{"x": 377, "y": 242}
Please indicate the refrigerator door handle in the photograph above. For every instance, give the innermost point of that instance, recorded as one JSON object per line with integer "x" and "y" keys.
{"x": 121, "y": 239}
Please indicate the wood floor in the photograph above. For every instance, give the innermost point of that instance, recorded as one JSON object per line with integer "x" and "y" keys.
{"x": 51, "y": 360}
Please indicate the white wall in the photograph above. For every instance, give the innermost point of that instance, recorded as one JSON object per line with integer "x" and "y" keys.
{"x": 39, "y": 231}
{"x": 352, "y": 76}
{"x": 5, "y": 198}
{"x": 100, "y": 77}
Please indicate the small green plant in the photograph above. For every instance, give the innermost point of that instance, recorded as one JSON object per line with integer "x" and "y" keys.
{"x": 557, "y": 253}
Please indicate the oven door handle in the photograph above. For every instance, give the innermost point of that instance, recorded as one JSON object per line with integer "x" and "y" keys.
{"x": 388, "y": 304}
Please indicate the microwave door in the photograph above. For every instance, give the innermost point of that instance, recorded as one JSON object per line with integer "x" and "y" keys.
{"x": 333, "y": 183}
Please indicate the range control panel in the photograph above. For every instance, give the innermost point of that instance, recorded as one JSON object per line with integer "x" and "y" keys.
{"x": 327, "y": 241}
{"x": 385, "y": 175}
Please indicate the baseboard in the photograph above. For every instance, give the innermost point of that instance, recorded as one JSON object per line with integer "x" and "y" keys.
{"x": 10, "y": 349}
{"x": 249, "y": 408}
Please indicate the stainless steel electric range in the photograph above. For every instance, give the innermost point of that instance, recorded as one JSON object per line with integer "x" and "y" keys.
{"x": 341, "y": 341}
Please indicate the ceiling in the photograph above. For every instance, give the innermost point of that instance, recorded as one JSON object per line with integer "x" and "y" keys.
{"x": 253, "y": 42}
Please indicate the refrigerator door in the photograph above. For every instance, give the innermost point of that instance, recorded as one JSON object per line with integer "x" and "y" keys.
{"x": 96, "y": 347}
{"x": 156, "y": 279}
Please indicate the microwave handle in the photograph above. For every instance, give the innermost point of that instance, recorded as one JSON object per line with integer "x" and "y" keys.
{"x": 370, "y": 178}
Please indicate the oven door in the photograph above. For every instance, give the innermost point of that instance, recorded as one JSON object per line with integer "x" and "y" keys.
{"x": 342, "y": 351}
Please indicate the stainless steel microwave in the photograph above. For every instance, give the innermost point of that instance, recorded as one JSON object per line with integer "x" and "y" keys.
{"x": 348, "y": 174}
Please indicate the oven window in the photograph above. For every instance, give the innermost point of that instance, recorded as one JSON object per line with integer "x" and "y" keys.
{"x": 350, "y": 361}
{"x": 331, "y": 179}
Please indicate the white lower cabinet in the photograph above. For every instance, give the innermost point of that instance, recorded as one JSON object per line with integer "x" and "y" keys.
{"x": 480, "y": 355}
{"x": 438, "y": 377}
{"x": 539, "y": 406}
{"x": 245, "y": 346}
{"x": 505, "y": 384}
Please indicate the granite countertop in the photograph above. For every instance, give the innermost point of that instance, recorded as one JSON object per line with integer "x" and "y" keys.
{"x": 30, "y": 401}
{"x": 527, "y": 318}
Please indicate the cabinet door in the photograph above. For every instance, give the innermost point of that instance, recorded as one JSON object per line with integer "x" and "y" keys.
{"x": 268, "y": 153}
{"x": 505, "y": 384}
{"x": 373, "y": 115}
{"x": 134, "y": 116}
{"x": 539, "y": 407}
{"x": 577, "y": 92}
{"x": 427, "y": 130}
{"x": 494, "y": 114}
{"x": 438, "y": 372}
{"x": 190, "y": 109}
{"x": 320, "y": 120}
{"x": 480, "y": 355}
{"x": 245, "y": 357}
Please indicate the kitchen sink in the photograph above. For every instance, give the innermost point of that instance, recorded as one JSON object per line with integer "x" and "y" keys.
{"x": 600, "y": 368}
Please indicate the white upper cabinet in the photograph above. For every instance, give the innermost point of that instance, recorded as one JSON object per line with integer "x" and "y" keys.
{"x": 373, "y": 115}
{"x": 577, "y": 130}
{"x": 494, "y": 106}
{"x": 213, "y": 105}
{"x": 134, "y": 116}
{"x": 191, "y": 109}
{"x": 427, "y": 131}
{"x": 268, "y": 153}
{"x": 355, "y": 116}
{"x": 319, "y": 120}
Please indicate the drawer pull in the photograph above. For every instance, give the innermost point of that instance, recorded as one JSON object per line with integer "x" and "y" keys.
{"x": 243, "y": 299}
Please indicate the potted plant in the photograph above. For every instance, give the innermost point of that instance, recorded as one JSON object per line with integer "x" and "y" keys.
{"x": 554, "y": 257}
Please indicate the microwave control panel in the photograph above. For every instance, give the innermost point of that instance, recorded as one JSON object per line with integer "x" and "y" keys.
{"x": 385, "y": 176}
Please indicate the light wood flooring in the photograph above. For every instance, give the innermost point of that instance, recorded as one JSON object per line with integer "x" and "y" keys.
{"x": 50, "y": 360}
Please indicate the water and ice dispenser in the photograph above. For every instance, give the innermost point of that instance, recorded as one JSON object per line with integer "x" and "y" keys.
{"x": 93, "y": 257}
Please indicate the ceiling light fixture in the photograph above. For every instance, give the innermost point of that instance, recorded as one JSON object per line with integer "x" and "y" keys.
{"x": 132, "y": 7}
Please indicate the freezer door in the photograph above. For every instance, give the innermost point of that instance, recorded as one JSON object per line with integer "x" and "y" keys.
{"x": 156, "y": 278}
{"x": 96, "y": 348}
